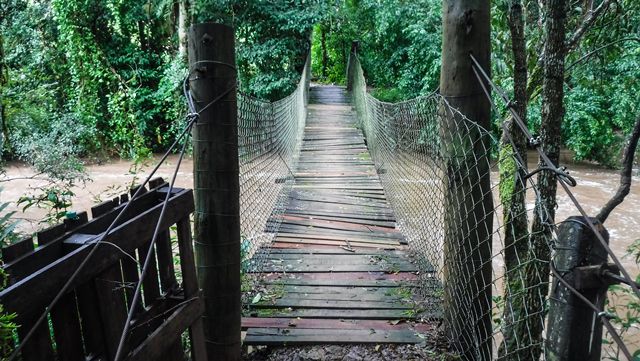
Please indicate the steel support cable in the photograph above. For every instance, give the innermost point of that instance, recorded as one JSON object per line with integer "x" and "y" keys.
{"x": 564, "y": 185}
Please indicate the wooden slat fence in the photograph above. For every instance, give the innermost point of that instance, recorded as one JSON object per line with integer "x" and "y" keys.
{"x": 86, "y": 324}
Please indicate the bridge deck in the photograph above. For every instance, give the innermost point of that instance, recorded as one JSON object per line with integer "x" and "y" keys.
{"x": 338, "y": 271}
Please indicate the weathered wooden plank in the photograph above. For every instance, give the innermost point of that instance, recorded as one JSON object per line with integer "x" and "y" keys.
{"x": 333, "y": 324}
{"x": 150, "y": 283}
{"x": 341, "y": 283}
{"x": 112, "y": 305}
{"x": 191, "y": 288}
{"x": 38, "y": 347}
{"x": 52, "y": 250}
{"x": 156, "y": 344}
{"x": 298, "y": 303}
{"x": 339, "y": 241}
{"x": 294, "y": 253}
{"x": 17, "y": 250}
{"x": 166, "y": 269}
{"x": 66, "y": 329}
{"x": 296, "y": 268}
{"x": 300, "y": 336}
{"x": 335, "y": 245}
{"x": 90, "y": 317}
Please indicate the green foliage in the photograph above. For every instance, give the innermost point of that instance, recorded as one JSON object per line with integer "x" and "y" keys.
{"x": 7, "y": 326}
{"x": 624, "y": 308}
{"x": 110, "y": 72}
{"x": 399, "y": 44}
{"x": 602, "y": 84}
{"x": 272, "y": 40}
{"x": 508, "y": 170}
{"x": 107, "y": 70}
{"x": 55, "y": 199}
{"x": 7, "y": 225}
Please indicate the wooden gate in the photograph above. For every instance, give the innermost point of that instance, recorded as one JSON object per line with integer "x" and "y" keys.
{"x": 87, "y": 322}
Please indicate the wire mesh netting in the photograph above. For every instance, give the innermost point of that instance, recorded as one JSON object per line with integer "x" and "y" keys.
{"x": 270, "y": 134}
{"x": 493, "y": 262}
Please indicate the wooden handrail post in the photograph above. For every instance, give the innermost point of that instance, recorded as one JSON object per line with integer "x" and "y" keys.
{"x": 355, "y": 46}
{"x": 212, "y": 74}
{"x": 574, "y": 329}
{"x": 469, "y": 206}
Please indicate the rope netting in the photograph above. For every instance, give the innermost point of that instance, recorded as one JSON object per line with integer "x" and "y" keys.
{"x": 270, "y": 134}
{"x": 466, "y": 203}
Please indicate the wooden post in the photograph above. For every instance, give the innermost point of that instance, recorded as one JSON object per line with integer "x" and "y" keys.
{"x": 575, "y": 331}
{"x": 216, "y": 185}
{"x": 350, "y": 63}
{"x": 468, "y": 216}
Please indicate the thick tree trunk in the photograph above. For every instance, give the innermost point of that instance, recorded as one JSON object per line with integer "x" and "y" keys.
{"x": 513, "y": 168}
{"x": 469, "y": 206}
{"x": 183, "y": 11}
{"x": 544, "y": 212}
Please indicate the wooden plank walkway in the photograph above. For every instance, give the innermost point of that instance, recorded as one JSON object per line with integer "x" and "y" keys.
{"x": 338, "y": 271}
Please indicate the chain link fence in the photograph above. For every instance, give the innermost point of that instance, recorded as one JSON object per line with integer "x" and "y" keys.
{"x": 493, "y": 266}
{"x": 269, "y": 138}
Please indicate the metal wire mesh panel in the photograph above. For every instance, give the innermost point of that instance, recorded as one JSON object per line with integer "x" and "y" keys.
{"x": 435, "y": 168}
{"x": 508, "y": 276}
{"x": 270, "y": 135}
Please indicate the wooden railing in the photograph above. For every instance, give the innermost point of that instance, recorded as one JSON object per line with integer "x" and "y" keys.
{"x": 87, "y": 322}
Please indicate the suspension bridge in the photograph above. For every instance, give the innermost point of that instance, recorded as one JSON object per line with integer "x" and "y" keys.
{"x": 356, "y": 221}
{"x": 338, "y": 267}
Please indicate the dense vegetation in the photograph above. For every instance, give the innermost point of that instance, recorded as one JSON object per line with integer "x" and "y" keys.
{"x": 400, "y": 51}
{"x": 102, "y": 78}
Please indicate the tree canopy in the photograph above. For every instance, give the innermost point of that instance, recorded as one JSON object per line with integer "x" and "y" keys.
{"x": 103, "y": 78}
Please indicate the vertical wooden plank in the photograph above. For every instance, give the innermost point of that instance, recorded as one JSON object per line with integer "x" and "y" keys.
{"x": 131, "y": 278}
{"x": 156, "y": 182}
{"x": 134, "y": 189}
{"x": 113, "y": 307}
{"x": 66, "y": 329}
{"x": 38, "y": 347}
{"x": 190, "y": 285}
{"x": 17, "y": 250}
{"x": 92, "y": 330}
{"x": 165, "y": 262}
{"x": 72, "y": 223}
{"x": 47, "y": 235}
{"x": 150, "y": 283}
{"x": 102, "y": 208}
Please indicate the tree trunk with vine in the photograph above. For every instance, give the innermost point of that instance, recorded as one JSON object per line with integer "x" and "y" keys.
{"x": 513, "y": 168}
{"x": 537, "y": 268}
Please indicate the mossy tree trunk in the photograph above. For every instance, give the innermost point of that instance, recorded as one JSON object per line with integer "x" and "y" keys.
{"x": 537, "y": 268}
{"x": 513, "y": 168}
